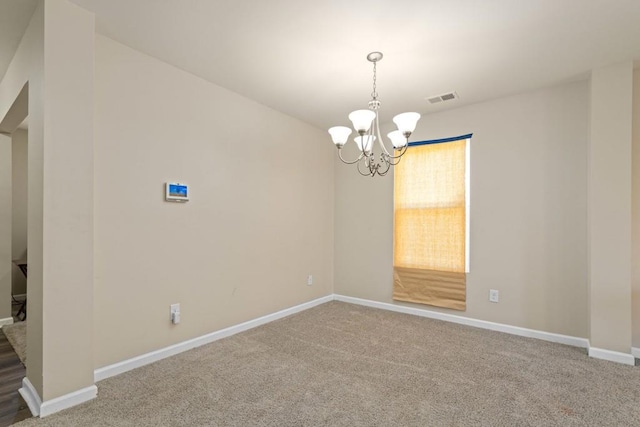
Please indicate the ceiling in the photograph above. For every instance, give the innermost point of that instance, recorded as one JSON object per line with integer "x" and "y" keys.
{"x": 308, "y": 58}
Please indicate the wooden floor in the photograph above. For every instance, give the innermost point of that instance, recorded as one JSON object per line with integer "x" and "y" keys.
{"x": 12, "y": 407}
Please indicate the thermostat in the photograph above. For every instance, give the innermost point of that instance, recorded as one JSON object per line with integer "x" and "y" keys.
{"x": 176, "y": 192}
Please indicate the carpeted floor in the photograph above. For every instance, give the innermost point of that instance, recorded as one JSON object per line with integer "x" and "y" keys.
{"x": 346, "y": 365}
{"x": 17, "y": 336}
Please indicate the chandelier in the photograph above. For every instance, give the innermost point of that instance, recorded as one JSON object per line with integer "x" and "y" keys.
{"x": 366, "y": 124}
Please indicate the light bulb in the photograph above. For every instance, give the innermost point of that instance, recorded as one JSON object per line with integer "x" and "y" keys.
{"x": 406, "y": 122}
{"x": 361, "y": 120}
{"x": 368, "y": 142}
{"x": 397, "y": 139}
{"x": 339, "y": 135}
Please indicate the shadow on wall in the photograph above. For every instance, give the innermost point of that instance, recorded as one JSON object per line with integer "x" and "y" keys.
{"x": 19, "y": 190}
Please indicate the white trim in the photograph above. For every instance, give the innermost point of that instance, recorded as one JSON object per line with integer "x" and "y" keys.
{"x": 635, "y": 351}
{"x": 483, "y": 324}
{"x": 6, "y": 321}
{"x": 612, "y": 356}
{"x": 30, "y": 395}
{"x": 42, "y": 409}
{"x": 77, "y": 397}
{"x": 154, "y": 356}
{"x": 144, "y": 359}
{"x": 467, "y": 204}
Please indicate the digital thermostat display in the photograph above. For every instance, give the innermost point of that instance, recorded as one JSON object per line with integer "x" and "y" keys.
{"x": 176, "y": 192}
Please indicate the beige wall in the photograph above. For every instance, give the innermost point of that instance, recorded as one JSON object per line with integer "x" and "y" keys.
{"x": 68, "y": 198}
{"x": 27, "y": 67}
{"x": 59, "y": 74}
{"x": 635, "y": 190}
{"x": 5, "y": 229}
{"x": 258, "y": 222}
{"x": 19, "y": 208}
{"x": 610, "y": 207}
{"x": 528, "y": 212}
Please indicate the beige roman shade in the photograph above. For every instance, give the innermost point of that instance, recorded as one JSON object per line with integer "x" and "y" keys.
{"x": 430, "y": 226}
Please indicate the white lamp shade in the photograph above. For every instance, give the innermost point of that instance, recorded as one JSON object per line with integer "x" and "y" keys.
{"x": 362, "y": 119}
{"x": 368, "y": 142}
{"x": 339, "y": 134}
{"x": 397, "y": 139}
{"x": 406, "y": 122}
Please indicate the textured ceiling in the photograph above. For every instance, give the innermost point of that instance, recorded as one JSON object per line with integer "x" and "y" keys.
{"x": 307, "y": 58}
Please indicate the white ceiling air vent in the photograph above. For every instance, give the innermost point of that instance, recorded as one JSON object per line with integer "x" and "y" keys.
{"x": 444, "y": 97}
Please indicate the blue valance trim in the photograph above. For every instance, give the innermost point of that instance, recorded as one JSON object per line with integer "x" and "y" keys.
{"x": 439, "y": 141}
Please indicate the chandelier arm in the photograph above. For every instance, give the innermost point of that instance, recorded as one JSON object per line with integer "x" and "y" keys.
{"x": 384, "y": 149}
{"x": 349, "y": 162}
{"x": 402, "y": 151}
{"x": 377, "y": 171}
{"x": 386, "y": 161}
{"x": 394, "y": 163}
{"x": 365, "y": 174}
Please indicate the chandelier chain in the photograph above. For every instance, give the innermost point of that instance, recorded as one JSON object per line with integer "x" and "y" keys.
{"x": 374, "y": 94}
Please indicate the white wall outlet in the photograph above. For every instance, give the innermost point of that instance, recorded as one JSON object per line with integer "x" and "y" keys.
{"x": 310, "y": 280}
{"x": 175, "y": 313}
{"x": 494, "y": 295}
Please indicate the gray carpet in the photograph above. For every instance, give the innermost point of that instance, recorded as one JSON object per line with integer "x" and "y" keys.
{"x": 17, "y": 335}
{"x": 345, "y": 365}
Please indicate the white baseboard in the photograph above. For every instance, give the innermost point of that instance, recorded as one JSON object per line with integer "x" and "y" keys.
{"x": 635, "y": 351}
{"x": 30, "y": 396}
{"x": 77, "y": 397}
{"x": 6, "y": 321}
{"x": 42, "y": 409}
{"x": 48, "y": 407}
{"x": 612, "y": 356}
{"x": 154, "y": 356}
{"x": 500, "y": 327}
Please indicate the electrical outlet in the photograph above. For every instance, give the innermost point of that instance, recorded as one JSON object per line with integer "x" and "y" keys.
{"x": 310, "y": 280}
{"x": 494, "y": 295}
{"x": 175, "y": 313}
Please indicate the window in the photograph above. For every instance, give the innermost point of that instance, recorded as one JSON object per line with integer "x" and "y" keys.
{"x": 431, "y": 224}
